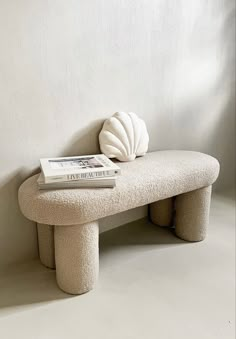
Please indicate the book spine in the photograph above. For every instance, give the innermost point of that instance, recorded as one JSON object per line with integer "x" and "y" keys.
{"x": 78, "y": 176}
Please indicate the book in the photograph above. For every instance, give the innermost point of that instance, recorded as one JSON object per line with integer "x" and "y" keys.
{"x": 66, "y": 169}
{"x": 82, "y": 183}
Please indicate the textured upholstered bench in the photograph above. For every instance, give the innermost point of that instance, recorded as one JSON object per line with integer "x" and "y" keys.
{"x": 67, "y": 220}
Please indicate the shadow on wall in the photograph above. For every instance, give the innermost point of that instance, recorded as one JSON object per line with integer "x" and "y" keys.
{"x": 222, "y": 139}
{"x": 206, "y": 120}
{"x": 17, "y": 235}
{"x": 222, "y": 134}
{"x": 18, "y": 240}
{"x": 85, "y": 141}
{"x": 227, "y": 124}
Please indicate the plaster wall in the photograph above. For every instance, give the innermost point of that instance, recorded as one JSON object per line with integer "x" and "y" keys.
{"x": 65, "y": 66}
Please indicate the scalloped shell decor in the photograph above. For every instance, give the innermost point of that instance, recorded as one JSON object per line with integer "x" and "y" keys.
{"x": 124, "y": 136}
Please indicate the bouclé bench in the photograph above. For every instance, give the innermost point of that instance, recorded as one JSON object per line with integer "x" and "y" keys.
{"x": 67, "y": 220}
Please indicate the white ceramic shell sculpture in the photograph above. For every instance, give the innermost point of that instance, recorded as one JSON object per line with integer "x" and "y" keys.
{"x": 124, "y": 136}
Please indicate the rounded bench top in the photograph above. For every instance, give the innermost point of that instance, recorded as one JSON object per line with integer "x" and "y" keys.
{"x": 156, "y": 176}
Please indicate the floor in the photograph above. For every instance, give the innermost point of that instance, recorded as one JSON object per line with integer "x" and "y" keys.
{"x": 152, "y": 285}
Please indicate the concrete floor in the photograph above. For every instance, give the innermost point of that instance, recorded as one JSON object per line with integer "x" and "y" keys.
{"x": 151, "y": 285}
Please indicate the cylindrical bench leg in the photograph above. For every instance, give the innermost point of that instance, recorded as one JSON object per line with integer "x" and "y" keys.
{"x": 192, "y": 214}
{"x": 46, "y": 245}
{"x": 161, "y": 212}
{"x": 76, "y": 254}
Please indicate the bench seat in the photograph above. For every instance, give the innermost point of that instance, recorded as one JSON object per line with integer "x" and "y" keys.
{"x": 157, "y": 176}
{"x": 67, "y": 218}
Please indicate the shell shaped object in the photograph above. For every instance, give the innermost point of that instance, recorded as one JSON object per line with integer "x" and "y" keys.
{"x": 124, "y": 136}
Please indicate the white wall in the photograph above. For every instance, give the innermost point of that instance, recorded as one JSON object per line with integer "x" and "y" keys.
{"x": 65, "y": 66}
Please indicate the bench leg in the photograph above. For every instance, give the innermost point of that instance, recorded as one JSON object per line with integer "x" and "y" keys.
{"x": 76, "y": 254}
{"x": 161, "y": 212}
{"x": 46, "y": 245}
{"x": 192, "y": 214}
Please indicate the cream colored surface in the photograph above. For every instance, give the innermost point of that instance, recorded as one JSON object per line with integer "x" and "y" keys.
{"x": 152, "y": 285}
{"x": 76, "y": 247}
{"x": 156, "y": 176}
{"x": 124, "y": 136}
{"x": 162, "y": 212}
{"x": 76, "y": 255}
{"x": 66, "y": 66}
{"x": 46, "y": 245}
{"x": 192, "y": 214}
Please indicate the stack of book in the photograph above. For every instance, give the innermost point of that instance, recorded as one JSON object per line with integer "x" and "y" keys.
{"x": 79, "y": 171}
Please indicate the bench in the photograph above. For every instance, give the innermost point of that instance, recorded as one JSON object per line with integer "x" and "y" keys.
{"x": 175, "y": 184}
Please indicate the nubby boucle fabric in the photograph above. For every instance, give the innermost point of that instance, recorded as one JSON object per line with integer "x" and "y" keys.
{"x": 176, "y": 184}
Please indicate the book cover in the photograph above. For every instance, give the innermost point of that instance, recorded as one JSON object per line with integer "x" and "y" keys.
{"x": 83, "y": 183}
{"x": 78, "y": 167}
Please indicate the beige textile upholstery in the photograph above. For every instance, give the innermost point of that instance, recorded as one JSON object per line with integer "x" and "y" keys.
{"x": 46, "y": 245}
{"x": 76, "y": 252}
{"x": 156, "y": 176}
{"x": 192, "y": 214}
{"x": 162, "y": 212}
{"x": 72, "y": 241}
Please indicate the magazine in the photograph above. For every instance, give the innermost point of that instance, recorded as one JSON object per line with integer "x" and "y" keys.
{"x": 78, "y": 167}
{"x": 100, "y": 182}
